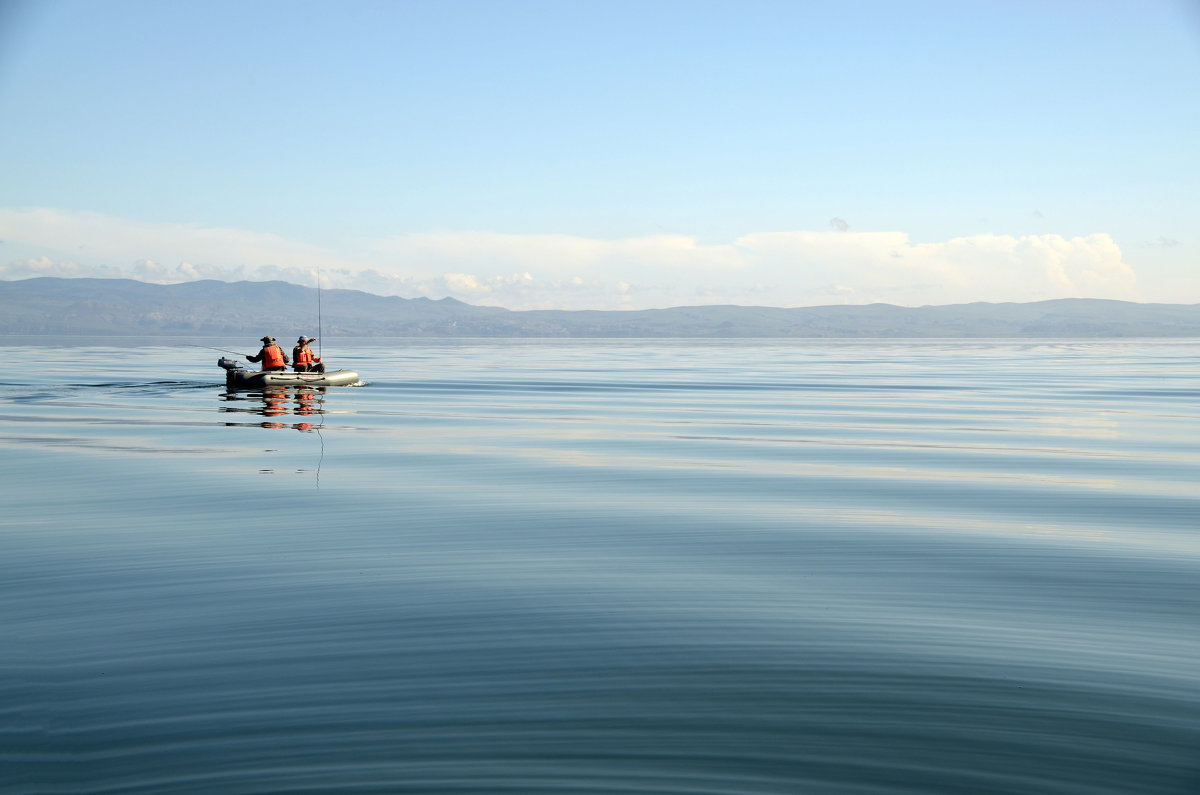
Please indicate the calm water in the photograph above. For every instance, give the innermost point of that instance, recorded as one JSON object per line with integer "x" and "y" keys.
{"x": 601, "y": 567}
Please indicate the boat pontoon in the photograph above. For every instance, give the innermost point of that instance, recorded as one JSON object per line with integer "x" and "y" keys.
{"x": 237, "y": 376}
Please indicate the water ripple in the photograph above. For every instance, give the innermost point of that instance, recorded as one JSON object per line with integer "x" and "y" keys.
{"x": 656, "y": 567}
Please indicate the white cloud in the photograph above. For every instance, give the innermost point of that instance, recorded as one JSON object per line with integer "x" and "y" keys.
{"x": 1164, "y": 242}
{"x": 790, "y": 268}
{"x": 464, "y": 283}
{"x": 887, "y": 266}
{"x": 45, "y": 266}
{"x": 555, "y": 253}
{"x": 224, "y": 253}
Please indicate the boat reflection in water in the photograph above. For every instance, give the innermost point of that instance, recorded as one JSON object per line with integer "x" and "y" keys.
{"x": 275, "y": 404}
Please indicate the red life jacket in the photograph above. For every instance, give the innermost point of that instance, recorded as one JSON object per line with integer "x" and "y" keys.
{"x": 301, "y": 355}
{"x": 272, "y": 357}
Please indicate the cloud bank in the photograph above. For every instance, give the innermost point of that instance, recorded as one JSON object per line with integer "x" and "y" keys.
{"x": 790, "y": 268}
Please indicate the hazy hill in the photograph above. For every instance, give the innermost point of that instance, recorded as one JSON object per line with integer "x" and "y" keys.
{"x": 121, "y": 307}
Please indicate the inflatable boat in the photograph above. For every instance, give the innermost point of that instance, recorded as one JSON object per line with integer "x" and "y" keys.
{"x": 238, "y": 377}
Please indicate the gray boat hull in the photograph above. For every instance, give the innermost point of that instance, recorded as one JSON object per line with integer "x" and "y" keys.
{"x": 240, "y": 378}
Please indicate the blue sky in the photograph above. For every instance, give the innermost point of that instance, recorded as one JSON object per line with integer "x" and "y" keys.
{"x": 609, "y": 155}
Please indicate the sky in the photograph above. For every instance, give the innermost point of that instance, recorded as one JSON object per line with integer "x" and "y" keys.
{"x": 609, "y": 155}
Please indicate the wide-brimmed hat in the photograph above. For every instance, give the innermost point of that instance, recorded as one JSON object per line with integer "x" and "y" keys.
{"x": 304, "y": 339}
{"x": 268, "y": 339}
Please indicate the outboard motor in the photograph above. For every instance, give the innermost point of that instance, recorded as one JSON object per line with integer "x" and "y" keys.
{"x": 229, "y": 364}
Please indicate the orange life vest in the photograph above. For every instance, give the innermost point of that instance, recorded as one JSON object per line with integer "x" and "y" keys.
{"x": 272, "y": 357}
{"x": 301, "y": 355}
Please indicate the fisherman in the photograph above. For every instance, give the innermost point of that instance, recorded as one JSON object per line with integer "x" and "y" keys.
{"x": 271, "y": 355}
{"x": 303, "y": 360}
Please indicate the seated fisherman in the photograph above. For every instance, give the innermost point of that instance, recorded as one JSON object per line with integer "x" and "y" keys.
{"x": 271, "y": 355}
{"x": 303, "y": 360}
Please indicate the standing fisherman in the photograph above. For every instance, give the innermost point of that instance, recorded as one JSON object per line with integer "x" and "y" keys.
{"x": 271, "y": 356}
{"x": 303, "y": 360}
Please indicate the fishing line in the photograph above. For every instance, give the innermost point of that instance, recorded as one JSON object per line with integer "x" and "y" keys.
{"x": 321, "y": 459}
{"x": 320, "y": 355}
{"x": 211, "y": 348}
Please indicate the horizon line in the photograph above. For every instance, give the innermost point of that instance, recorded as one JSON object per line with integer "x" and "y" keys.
{"x": 607, "y": 311}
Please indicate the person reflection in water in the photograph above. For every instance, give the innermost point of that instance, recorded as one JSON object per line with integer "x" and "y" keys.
{"x": 273, "y": 406}
{"x": 271, "y": 355}
{"x": 303, "y": 360}
{"x": 304, "y": 403}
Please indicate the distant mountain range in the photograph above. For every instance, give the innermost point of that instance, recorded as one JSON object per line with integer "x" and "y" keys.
{"x": 124, "y": 307}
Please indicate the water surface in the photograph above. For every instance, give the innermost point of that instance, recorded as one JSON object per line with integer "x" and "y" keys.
{"x": 598, "y": 567}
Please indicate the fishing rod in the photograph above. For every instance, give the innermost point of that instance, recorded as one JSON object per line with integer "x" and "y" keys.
{"x": 222, "y": 350}
{"x": 320, "y": 333}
